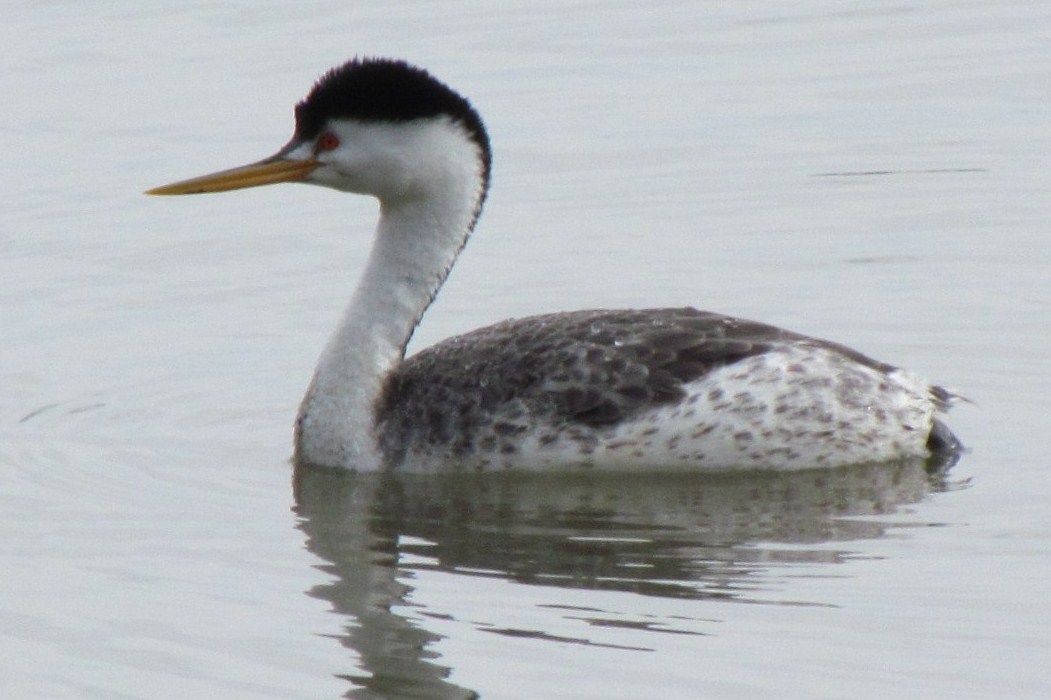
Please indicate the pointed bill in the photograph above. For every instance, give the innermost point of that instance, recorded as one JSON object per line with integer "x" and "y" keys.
{"x": 265, "y": 172}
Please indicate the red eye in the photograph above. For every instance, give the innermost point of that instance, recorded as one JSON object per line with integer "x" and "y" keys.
{"x": 327, "y": 141}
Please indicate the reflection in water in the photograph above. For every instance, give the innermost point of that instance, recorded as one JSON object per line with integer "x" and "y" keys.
{"x": 690, "y": 536}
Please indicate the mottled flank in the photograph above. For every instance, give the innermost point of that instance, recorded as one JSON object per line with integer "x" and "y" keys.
{"x": 656, "y": 388}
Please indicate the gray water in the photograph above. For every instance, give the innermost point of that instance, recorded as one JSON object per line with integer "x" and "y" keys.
{"x": 875, "y": 173}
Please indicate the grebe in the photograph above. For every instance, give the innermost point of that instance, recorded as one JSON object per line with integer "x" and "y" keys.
{"x": 619, "y": 389}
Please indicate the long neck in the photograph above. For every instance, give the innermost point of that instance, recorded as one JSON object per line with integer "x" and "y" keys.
{"x": 417, "y": 241}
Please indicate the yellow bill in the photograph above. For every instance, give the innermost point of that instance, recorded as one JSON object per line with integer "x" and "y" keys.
{"x": 265, "y": 172}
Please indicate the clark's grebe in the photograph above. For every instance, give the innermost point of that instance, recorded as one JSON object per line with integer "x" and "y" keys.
{"x": 645, "y": 389}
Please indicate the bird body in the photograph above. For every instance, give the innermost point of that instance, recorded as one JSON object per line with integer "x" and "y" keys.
{"x": 638, "y": 389}
{"x": 662, "y": 389}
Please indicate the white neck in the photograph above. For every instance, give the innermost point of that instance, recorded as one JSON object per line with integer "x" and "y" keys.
{"x": 417, "y": 240}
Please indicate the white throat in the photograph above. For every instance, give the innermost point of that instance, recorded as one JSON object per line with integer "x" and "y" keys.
{"x": 423, "y": 226}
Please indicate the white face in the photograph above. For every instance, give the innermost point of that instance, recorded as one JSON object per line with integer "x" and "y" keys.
{"x": 391, "y": 161}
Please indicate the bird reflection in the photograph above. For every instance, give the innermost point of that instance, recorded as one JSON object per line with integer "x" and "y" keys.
{"x": 725, "y": 537}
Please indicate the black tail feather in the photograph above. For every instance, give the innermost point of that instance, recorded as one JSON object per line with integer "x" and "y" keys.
{"x": 945, "y": 448}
